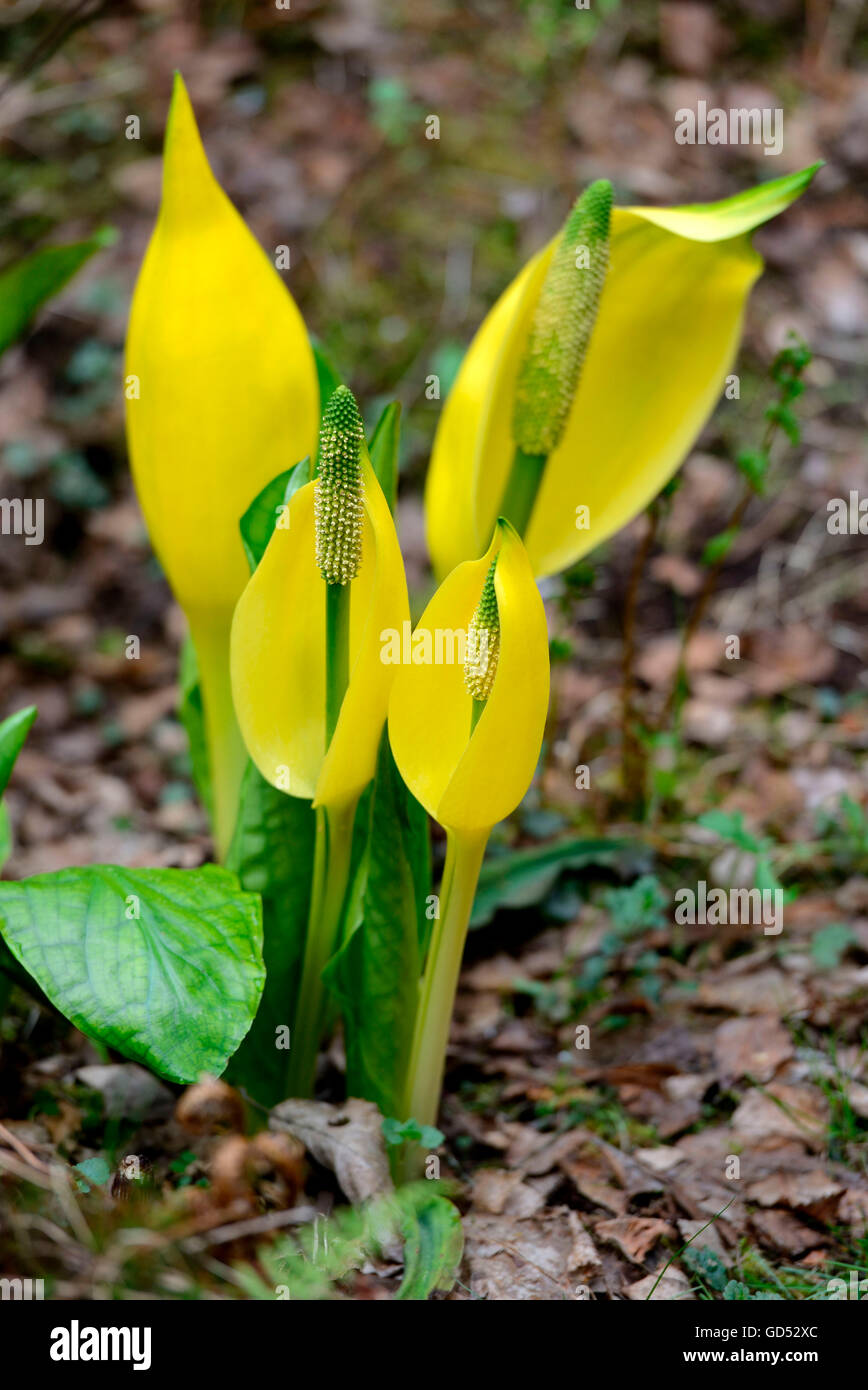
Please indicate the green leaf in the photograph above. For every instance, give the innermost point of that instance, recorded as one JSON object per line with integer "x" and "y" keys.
{"x": 718, "y": 547}
{"x": 192, "y": 715}
{"x": 13, "y": 732}
{"x": 268, "y": 508}
{"x": 729, "y": 825}
{"x": 272, "y": 853}
{"x": 163, "y": 964}
{"x": 703, "y": 1261}
{"x": 29, "y": 283}
{"x": 784, "y": 417}
{"x": 433, "y": 1246}
{"x": 754, "y": 465}
{"x": 327, "y": 375}
{"x": 375, "y": 974}
{"x": 93, "y": 1170}
{"x": 383, "y": 451}
{"x": 5, "y": 834}
{"x": 525, "y": 876}
{"x": 829, "y": 944}
{"x": 410, "y": 1131}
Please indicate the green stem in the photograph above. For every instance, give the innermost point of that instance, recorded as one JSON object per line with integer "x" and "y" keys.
{"x": 522, "y": 488}
{"x": 337, "y": 652}
{"x": 476, "y": 708}
{"x": 227, "y": 756}
{"x": 437, "y": 993}
{"x": 331, "y": 867}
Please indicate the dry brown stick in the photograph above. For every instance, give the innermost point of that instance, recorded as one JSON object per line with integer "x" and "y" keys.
{"x": 22, "y": 1150}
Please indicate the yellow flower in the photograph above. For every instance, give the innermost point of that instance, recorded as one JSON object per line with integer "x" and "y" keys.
{"x": 222, "y": 395}
{"x": 279, "y": 654}
{"x": 654, "y": 350}
{"x": 468, "y": 781}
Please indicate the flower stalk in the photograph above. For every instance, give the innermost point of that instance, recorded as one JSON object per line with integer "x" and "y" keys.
{"x": 333, "y": 850}
{"x": 464, "y": 855}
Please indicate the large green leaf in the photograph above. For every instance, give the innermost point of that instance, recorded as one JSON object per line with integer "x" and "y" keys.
{"x": 272, "y": 854}
{"x": 525, "y": 876}
{"x": 383, "y": 450}
{"x": 375, "y": 974}
{"x": 163, "y": 964}
{"x": 29, "y": 283}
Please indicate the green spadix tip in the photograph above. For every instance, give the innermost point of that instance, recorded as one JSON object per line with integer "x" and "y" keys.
{"x": 483, "y": 641}
{"x": 339, "y": 492}
{"x": 562, "y": 323}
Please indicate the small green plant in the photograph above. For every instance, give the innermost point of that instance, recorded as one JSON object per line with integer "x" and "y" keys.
{"x": 322, "y": 1257}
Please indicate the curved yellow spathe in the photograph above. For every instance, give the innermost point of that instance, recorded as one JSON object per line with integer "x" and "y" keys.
{"x": 665, "y": 337}
{"x": 470, "y": 781}
{"x": 278, "y": 655}
{"x": 227, "y": 385}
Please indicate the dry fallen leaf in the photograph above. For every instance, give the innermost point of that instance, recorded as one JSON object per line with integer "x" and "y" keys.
{"x": 662, "y": 1159}
{"x": 496, "y": 1191}
{"x": 752, "y": 1047}
{"x": 782, "y": 1231}
{"x": 853, "y": 1208}
{"x": 752, "y": 994}
{"x": 590, "y": 1180}
{"x": 793, "y": 1189}
{"x": 789, "y": 1112}
{"x": 672, "y": 1286}
{"x": 635, "y": 1236}
{"x": 543, "y": 1258}
{"x": 347, "y": 1139}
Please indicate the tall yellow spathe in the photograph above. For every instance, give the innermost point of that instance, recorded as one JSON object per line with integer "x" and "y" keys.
{"x": 221, "y": 396}
{"x": 665, "y": 337}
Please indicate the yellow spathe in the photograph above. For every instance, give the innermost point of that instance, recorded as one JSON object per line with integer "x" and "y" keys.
{"x": 279, "y": 655}
{"x": 469, "y": 782}
{"x": 221, "y": 395}
{"x": 228, "y": 393}
{"x": 666, "y": 335}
